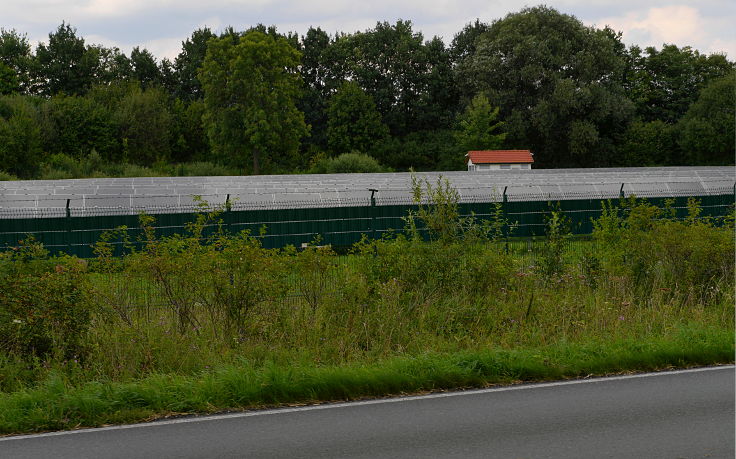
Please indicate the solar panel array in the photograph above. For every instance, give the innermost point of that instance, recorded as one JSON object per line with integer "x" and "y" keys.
{"x": 177, "y": 194}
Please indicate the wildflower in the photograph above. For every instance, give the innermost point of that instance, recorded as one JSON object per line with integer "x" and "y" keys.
{"x": 622, "y": 318}
{"x": 17, "y": 321}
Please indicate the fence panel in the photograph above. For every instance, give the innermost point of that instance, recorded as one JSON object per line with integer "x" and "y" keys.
{"x": 75, "y": 232}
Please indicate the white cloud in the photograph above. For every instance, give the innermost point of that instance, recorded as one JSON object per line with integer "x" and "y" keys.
{"x": 669, "y": 24}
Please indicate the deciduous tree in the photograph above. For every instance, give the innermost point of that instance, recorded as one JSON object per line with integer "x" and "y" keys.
{"x": 353, "y": 123}
{"x": 250, "y": 90}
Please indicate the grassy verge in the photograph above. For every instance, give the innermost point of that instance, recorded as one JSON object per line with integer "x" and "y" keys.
{"x": 56, "y": 404}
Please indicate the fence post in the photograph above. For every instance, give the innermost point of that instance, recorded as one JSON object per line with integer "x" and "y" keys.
{"x": 621, "y": 192}
{"x": 228, "y": 215}
{"x": 68, "y": 228}
{"x": 373, "y": 212}
{"x": 503, "y": 209}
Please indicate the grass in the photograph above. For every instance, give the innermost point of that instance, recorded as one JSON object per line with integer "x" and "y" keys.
{"x": 57, "y": 404}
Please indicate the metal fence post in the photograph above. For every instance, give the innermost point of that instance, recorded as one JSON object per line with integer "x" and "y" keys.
{"x": 228, "y": 215}
{"x": 503, "y": 210}
{"x": 68, "y": 228}
{"x": 621, "y": 192}
{"x": 373, "y": 212}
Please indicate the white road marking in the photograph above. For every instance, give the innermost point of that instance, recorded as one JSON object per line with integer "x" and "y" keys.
{"x": 327, "y": 406}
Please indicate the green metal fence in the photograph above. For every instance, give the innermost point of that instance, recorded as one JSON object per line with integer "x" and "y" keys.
{"x": 74, "y": 231}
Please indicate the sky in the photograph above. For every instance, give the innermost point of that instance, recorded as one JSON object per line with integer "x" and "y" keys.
{"x": 161, "y": 25}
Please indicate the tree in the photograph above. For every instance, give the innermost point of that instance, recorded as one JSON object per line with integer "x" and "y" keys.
{"x": 707, "y": 129}
{"x": 65, "y": 64}
{"x": 15, "y": 58}
{"x": 664, "y": 83}
{"x": 319, "y": 84}
{"x": 478, "y": 126}
{"x": 353, "y": 123}
{"x": 649, "y": 143}
{"x": 144, "y": 124}
{"x": 188, "y": 132}
{"x": 75, "y": 125}
{"x": 8, "y": 80}
{"x": 250, "y": 90}
{"x": 558, "y": 84}
{"x": 408, "y": 79}
{"x": 463, "y": 44}
{"x": 145, "y": 68}
{"x": 189, "y": 61}
{"x": 113, "y": 65}
{"x": 20, "y": 140}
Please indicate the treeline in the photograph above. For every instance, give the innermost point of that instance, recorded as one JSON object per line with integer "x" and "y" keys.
{"x": 260, "y": 101}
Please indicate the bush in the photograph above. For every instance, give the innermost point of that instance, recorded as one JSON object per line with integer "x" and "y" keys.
{"x": 347, "y": 163}
{"x": 4, "y": 176}
{"x": 641, "y": 244}
{"x": 42, "y": 304}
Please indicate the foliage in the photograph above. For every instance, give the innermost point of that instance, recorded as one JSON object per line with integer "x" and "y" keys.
{"x": 75, "y": 126}
{"x": 15, "y": 55}
{"x": 42, "y": 307}
{"x": 664, "y": 83}
{"x": 20, "y": 136}
{"x": 144, "y": 123}
{"x": 210, "y": 320}
{"x": 353, "y": 123}
{"x": 707, "y": 127}
{"x": 639, "y": 242}
{"x": 65, "y": 64}
{"x": 189, "y": 61}
{"x": 478, "y": 126}
{"x": 551, "y": 261}
{"x": 652, "y": 143}
{"x": 573, "y": 94}
{"x": 347, "y": 163}
{"x": 251, "y": 86}
{"x": 557, "y": 83}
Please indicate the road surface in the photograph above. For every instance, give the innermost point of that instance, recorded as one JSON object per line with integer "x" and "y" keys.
{"x": 680, "y": 414}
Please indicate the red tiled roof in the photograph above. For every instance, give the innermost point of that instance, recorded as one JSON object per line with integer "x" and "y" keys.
{"x": 500, "y": 156}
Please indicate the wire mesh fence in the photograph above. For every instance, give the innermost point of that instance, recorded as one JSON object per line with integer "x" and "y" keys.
{"x": 340, "y": 223}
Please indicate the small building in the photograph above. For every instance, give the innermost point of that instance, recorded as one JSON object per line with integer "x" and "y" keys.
{"x": 486, "y": 160}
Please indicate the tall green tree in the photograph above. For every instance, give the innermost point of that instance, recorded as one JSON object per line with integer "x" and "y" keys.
{"x": 144, "y": 68}
{"x": 8, "y": 80}
{"x": 558, "y": 84}
{"x": 707, "y": 129}
{"x": 649, "y": 143}
{"x": 65, "y": 64}
{"x": 463, "y": 43}
{"x": 189, "y": 61}
{"x": 353, "y": 123}
{"x": 113, "y": 65}
{"x": 408, "y": 79}
{"x": 17, "y": 59}
{"x": 319, "y": 84}
{"x": 664, "y": 83}
{"x": 20, "y": 137}
{"x": 250, "y": 92}
{"x": 478, "y": 127}
{"x": 144, "y": 123}
{"x": 75, "y": 125}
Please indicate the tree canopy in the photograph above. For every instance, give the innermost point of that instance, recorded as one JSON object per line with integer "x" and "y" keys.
{"x": 251, "y": 86}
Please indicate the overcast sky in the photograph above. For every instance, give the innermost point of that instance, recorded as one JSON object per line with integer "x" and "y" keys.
{"x": 161, "y": 25}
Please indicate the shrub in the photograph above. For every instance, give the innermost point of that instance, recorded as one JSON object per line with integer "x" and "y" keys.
{"x": 4, "y": 176}
{"x": 42, "y": 303}
{"x": 347, "y": 163}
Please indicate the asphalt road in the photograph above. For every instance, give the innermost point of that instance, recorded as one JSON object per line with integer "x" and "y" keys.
{"x": 684, "y": 414}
